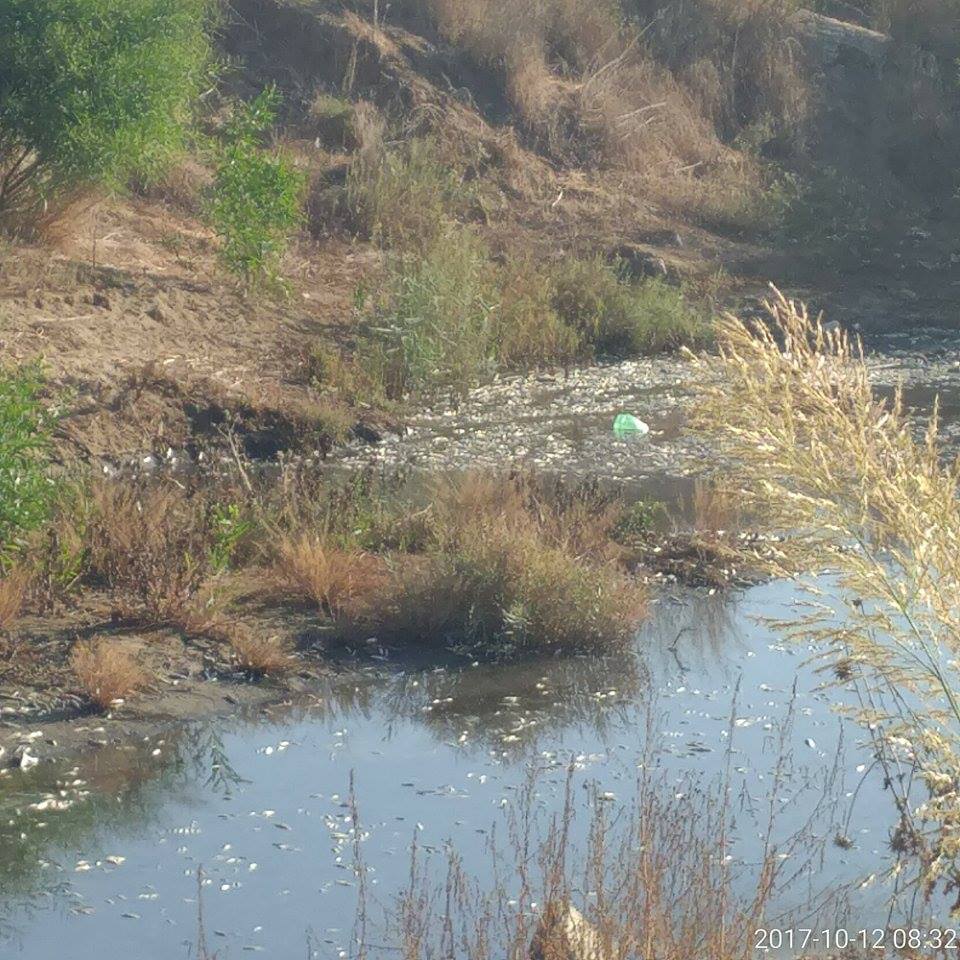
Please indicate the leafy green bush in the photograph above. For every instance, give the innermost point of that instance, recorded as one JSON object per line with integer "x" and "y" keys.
{"x": 256, "y": 198}
{"x": 26, "y": 488}
{"x": 93, "y": 91}
{"x": 619, "y": 318}
{"x": 230, "y": 527}
{"x": 435, "y": 324}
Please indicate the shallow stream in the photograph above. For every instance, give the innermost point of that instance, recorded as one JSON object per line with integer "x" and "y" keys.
{"x": 106, "y": 850}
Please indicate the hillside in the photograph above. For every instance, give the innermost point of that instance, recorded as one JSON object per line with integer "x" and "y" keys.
{"x": 743, "y": 144}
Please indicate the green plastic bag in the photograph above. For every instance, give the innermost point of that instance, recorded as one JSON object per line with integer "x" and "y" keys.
{"x": 627, "y": 425}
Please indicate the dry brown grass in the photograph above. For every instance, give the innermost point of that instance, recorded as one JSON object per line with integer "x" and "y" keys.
{"x": 577, "y": 521}
{"x": 260, "y": 655}
{"x": 495, "y": 563}
{"x": 69, "y": 217}
{"x": 515, "y": 569}
{"x": 511, "y": 594}
{"x": 717, "y": 511}
{"x": 661, "y": 866}
{"x": 13, "y": 593}
{"x": 737, "y": 58}
{"x": 151, "y": 546}
{"x": 861, "y": 492}
{"x": 590, "y": 90}
{"x": 339, "y": 580}
{"x": 403, "y": 195}
{"x": 106, "y": 672}
{"x": 579, "y": 81}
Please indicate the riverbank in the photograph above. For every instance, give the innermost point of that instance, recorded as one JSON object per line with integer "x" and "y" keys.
{"x": 543, "y": 426}
{"x": 150, "y": 590}
{"x": 213, "y": 767}
{"x": 109, "y": 843}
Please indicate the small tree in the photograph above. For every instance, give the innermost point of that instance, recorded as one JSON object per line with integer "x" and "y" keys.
{"x": 92, "y": 91}
{"x": 257, "y": 195}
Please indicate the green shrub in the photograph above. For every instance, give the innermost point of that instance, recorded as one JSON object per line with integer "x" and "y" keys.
{"x": 256, "y": 196}
{"x": 619, "y": 318}
{"x": 450, "y": 315}
{"x": 404, "y": 196}
{"x": 92, "y": 91}
{"x": 637, "y": 519}
{"x": 26, "y": 487}
{"x": 658, "y": 317}
{"x": 434, "y": 325}
{"x": 529, "y": 331}
{"x": 230, "y": 527}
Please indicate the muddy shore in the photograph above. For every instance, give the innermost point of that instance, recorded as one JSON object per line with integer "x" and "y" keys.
{"x": 550, "y": 423}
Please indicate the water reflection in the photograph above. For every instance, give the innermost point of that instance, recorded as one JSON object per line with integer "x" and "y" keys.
{"x": 517, "y": 708}
{"x": 711, "y": 701}
{"x": 47, "y": 812}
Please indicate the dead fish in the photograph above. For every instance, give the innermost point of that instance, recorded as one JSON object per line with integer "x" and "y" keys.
{"x": 24, "y": 759}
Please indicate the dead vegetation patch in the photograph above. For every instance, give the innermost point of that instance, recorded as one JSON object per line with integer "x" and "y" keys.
{"x": 589, "y": 90}
{"x": 341, "y": 581}
{"x": 106, "y": 672}
{"x": 13, "y": 592}
{"x": 150, "y": 547}
{"x": 260, "y": 655}
{"x": 491, "y": 566}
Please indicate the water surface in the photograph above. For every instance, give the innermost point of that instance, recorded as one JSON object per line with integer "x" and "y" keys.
{"x": 106, "y": 851}
{"x": 262, "y": 802}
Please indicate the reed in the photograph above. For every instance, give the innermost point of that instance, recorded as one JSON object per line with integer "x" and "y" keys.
{"x": 652, "y": 873}
{"x": 863, "y": 493}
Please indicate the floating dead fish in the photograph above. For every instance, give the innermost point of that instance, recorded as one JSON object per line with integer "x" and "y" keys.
{"x": 24, "y": 759}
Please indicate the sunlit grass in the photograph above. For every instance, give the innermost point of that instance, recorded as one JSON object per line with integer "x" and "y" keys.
{"x": 861, "y": 494}
{"x": 106, "y": 672}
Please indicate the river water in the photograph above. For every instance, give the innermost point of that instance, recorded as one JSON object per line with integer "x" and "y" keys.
{"x": 101, "y": 856}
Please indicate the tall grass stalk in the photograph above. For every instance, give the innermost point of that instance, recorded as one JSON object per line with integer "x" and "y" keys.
{"x": 654, "y": 873}
{"x": 861, "y": 493}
